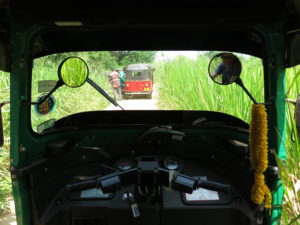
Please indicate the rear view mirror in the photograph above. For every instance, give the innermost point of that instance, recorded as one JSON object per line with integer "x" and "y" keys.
{"x": 225, "y": 68}
{"x": 1, "y": 123}
{"x": 73, "y": 72}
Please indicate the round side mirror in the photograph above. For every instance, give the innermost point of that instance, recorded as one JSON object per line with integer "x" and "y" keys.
{"x": 224, "y": 68}
{"x": 73, "y": 72}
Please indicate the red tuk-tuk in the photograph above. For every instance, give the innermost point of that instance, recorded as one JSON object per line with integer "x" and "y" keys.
{"x": 138, "y": 80}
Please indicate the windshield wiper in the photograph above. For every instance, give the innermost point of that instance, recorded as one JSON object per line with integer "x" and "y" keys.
{"x": 102, "y": 92}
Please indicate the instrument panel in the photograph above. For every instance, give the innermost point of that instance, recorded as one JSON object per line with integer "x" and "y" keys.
{"x": 171, "y": 207}
{"x": 198, "y": 197}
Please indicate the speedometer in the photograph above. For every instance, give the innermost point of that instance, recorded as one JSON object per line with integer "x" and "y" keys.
{"x": 171, "y": 163}
{"x": 124, "y": 164}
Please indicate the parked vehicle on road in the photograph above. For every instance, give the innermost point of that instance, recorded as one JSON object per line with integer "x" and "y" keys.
{"x": 139, "y": 80}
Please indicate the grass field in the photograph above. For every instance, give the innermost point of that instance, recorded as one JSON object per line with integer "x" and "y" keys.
{"x": 183, "y": 83}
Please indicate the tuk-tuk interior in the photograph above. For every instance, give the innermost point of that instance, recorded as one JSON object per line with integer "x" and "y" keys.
{"x": 128, "y": 154}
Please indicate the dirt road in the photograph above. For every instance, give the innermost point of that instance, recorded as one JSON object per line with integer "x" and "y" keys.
{"x": 136, "y": 104}
{"x": 10, "y": 218}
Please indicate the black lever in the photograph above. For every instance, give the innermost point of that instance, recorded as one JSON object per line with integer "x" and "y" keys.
{"x": 214, "y": 186}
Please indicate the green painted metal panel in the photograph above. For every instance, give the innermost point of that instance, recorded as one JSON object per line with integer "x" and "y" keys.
{"x": 275, "y": 93}
{"x": 20, "y": 114}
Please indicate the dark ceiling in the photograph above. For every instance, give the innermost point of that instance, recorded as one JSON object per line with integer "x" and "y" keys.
{"x": 147, "y": 25}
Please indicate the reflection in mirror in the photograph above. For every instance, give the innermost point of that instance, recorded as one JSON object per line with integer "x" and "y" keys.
{"x": 225, "y": 68}
{"x": 73, "y": 71}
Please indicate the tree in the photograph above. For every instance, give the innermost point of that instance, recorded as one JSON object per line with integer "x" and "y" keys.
{"x": 124, "y": 58}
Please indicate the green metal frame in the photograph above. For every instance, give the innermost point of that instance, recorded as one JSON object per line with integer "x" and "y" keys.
{"x": 275, "y": 93}
{"x": 24, "y": 143}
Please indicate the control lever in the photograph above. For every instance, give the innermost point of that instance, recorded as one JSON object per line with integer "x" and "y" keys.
{"x": 189, "y": 184}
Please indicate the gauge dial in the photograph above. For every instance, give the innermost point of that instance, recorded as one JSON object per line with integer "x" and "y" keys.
{"x": 124, "y": 164}
{"x": 171, "y": 163}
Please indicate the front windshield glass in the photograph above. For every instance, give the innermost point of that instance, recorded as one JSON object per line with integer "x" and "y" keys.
{"x": 144, "y": 80}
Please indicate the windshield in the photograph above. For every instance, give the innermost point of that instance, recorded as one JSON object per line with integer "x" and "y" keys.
{"x": 138, "y": 75}
{"x": 164, "y": 80}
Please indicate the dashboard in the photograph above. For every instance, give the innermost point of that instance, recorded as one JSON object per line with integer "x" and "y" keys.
{"x": 163, "y": 193}
{"x": 92, "y": 206}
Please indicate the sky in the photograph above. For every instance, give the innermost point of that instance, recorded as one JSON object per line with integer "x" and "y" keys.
{"x": 162, "y": 55}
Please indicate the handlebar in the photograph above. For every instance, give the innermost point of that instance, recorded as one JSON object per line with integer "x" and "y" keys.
{"x": 147, "y": 174}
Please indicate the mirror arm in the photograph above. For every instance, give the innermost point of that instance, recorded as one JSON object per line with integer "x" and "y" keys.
{"x": 98, "y": 88}
{"x": 240, "y": 83}
{"x": 4, "y": 103}
{"x": 58, "y": 85}
{"x": 291, "y": 101}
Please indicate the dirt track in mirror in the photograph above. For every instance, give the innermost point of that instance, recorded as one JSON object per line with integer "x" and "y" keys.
{"x": 9, "y": 218}
{"x": 136, "y": 102}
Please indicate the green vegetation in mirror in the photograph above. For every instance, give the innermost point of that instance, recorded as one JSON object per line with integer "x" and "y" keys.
{"x": 297, "y": 115}
{"x": 225, "y": 68}
{"x": 73, "y": 72}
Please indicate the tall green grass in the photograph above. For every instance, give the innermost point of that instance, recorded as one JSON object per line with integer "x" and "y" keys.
{"x": 184, "y": 84}
{"x": 290, "y": 168}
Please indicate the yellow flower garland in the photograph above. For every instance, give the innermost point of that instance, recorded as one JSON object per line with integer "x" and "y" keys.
{"x": 259, "y": 155}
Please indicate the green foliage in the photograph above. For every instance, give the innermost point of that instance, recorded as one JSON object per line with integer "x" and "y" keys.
{"x": 104, "y": 60}
{"x": 74, "y": 72}
{"x": 124, "y": 58}
{"x": 290, "y": 168}
{"x": 5, "y": 181}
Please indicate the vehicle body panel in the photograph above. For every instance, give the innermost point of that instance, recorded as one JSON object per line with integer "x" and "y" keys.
{"x": 138, "y": 87}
